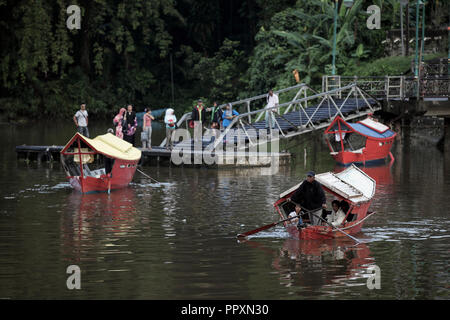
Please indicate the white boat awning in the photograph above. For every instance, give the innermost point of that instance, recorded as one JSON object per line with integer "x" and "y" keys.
{"x": 352, "y": 184}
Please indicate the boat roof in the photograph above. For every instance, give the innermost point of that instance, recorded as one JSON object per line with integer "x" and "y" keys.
{"x": 352, "y": 184}
{"x": 369, "y": 132}
{"x": 108, "y": 145}
{"x": 367, "y": 127}
{"x": 374, "y": 125}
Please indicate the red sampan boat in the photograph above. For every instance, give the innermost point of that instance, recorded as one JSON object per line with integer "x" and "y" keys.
{"x": 352, "y": 185}
{"x": 112, "y": 162}
{"x": 364, "y": 142}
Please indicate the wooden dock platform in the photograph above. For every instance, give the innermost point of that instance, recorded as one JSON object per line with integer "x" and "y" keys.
{"x": 161, "y": 156}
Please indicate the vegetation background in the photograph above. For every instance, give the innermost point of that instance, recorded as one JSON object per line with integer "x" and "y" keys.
{"x": 221, "y": 50}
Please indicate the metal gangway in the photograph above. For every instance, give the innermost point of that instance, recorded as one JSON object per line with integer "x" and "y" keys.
{"x": 305, "y": 110}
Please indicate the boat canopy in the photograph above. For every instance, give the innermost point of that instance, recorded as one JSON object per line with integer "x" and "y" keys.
{"x": 367, "y": 127}
{"x": 352, "y": 184}
{"x": 106, "y": 144}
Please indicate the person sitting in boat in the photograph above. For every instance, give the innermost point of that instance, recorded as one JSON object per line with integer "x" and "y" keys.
{"x": 296, "y": 213}
{"x": 337, "y": 215}
{"x": 345, "y": 207}
{"x": 310, "y": 197}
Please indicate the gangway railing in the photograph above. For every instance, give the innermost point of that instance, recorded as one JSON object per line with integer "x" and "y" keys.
{"x": 298, "y": 116}
{"x": 301, "y": 89}
{"x": 349, "y": 91}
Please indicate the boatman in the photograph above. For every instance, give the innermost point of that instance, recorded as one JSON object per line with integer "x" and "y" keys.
{"x": 81, "y": 120}
{"x": 311, "y": 197}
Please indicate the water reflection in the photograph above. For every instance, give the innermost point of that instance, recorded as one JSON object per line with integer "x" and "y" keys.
{"x": 94, "y": 218}
{"x": 321, "y": 266}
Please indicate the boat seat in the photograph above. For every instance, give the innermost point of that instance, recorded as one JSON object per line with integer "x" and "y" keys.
{"x": 358, "y": 151}
{"x": 97, "y": 173}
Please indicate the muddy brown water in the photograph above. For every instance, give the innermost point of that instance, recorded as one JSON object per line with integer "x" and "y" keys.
{"x": 177, "y": 240}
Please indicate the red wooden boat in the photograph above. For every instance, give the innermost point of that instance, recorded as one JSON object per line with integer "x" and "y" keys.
{"x": 351, "y": 185}
{"x": 99, "y": 165}
{"x": 365, "y": 142}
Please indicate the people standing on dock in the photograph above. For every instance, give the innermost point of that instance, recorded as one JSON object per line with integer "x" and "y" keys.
{"x": 229, "y": 115}
{"x": 199, "y": 116}
{"x": 216, "y": 116}
{"x": 272, "y": 101}
{"x": 129, "y": 125}
{"x": 171, "y": 121}
{"x": 147, "y": 129}
{"x": 118, "y": 120}
{"x": 199, "y": 112}
{"x": 311, "y": 197}
{"x": 81, "y": 120}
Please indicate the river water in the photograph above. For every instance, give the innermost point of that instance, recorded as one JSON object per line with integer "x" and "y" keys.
{"x": 177, "y": 239}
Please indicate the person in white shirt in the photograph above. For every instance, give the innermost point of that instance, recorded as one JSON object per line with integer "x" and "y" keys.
{"x": 298, "y": 220}
{"x": 337, "y": 215}
{"x": 272, "y": 101}
{"x": 81, "y": 120}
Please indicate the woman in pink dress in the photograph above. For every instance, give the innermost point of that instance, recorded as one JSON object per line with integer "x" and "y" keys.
{"x": 118, "y": 122}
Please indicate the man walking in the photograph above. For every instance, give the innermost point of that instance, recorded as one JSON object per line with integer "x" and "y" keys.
{"x": 272, "y": 101}
{"x": 311, "y": 197}
{"x": 81, "y": 121}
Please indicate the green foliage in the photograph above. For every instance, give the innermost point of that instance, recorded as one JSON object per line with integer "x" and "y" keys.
{"x": 221, "y": 50}
{"x": 388, "y": 66}
{"x": 302, "y": 38}
{"x": 219, "y": 76}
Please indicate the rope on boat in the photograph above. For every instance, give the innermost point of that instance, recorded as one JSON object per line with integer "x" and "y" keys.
{"x": 146, "y": 175}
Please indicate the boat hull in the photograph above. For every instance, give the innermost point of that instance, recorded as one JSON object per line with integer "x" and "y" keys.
{"x": 326, "y": 232}
{"x": 320, "y": 232}
{"x": 375, "y": 152}
{"x": 121, "y": 176}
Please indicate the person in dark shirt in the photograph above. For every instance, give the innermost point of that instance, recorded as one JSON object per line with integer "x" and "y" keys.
{"x": 216, "y": 116}
{"x": 311, "y": 197}
{"x": 199, "y": 112}
{"x": 129, "y": 125}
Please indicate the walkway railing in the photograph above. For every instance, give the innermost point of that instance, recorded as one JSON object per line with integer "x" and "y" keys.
{"x": 394, "y": 87}
{"x": 306, "y": 120}
{"x": 256, "y": 102}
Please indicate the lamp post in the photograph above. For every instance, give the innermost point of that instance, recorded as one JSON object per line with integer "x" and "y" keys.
{"x": 423, "y": 28}
{"x": 416, "y": 69}
{"x": 416, "y": 58}
{"x": 333, "y": 71}
{"x": 348, "y": 4}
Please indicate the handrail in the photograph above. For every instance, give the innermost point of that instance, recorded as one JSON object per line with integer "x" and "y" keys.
{"x": 315, "y": 96}
{"x": 187, "y": 115}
